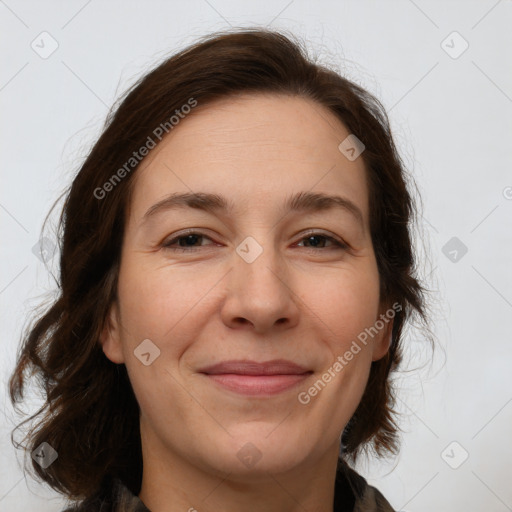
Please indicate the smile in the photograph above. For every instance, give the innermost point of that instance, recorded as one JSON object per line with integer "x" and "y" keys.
{"x": 258, "y": 385}
{"x": 252, "y": 378}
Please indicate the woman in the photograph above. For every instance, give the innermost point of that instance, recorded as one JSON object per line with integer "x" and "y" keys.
{"x": 236, "y": 272}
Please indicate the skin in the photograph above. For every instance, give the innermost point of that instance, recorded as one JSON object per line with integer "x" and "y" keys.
{"x": 296, "y": 301}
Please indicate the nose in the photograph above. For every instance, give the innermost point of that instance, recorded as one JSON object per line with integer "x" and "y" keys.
{"x": 261, "y": 293}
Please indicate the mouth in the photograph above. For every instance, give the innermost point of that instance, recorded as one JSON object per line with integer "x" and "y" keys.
{"x": 251, "y": 378}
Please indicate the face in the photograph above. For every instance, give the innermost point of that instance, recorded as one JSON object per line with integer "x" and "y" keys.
{"x": 263, "y": 278}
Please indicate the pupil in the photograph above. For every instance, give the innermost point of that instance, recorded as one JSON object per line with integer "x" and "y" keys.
{"x": 313, "y": 238}
{"x": 188, "y": 237}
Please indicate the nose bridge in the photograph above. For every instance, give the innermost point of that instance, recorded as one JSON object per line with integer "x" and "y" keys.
{"x": 258, "y": 263}
{"x": 259, "y": 292}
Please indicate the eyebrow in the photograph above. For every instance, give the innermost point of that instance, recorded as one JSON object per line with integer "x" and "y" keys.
{"x": 214, "y": 203}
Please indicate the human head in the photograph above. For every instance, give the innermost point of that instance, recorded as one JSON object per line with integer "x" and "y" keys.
{"x": 82, "y": 382}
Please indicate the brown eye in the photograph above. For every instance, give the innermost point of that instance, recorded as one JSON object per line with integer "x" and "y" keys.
{"x": 318, "y": 240}
{"x": 186, "y": 242}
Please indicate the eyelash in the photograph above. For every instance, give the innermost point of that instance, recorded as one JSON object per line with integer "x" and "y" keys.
{"x": 167, "y": 245}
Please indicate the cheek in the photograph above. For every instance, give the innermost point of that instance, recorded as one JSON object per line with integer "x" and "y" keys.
{"x": 169, "y": 306}
{"x": 157, "y": 302}
{"x": 342, "y": 312}
{"x": 343, "y": 307}
{"x": 345, "y": 304}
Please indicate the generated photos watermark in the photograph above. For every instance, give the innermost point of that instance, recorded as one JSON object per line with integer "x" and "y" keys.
{"x": 304, "y": 397}
{"x": 137, "y": 156}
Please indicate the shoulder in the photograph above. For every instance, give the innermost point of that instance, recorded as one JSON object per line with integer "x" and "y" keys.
{"x": 367, "y": 497}
{"x": 118, "y": 499}
{"x": 373, "y": 501}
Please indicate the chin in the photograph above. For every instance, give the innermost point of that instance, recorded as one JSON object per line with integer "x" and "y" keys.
{"x": 255, "y": 454}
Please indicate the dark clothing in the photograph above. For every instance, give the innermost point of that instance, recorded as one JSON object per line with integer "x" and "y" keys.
{"x": 352, "y": 494}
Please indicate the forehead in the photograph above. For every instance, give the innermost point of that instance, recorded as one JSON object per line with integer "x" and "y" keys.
{"x": 255, "y": 149}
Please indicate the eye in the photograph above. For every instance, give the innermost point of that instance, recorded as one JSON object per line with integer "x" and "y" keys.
{"x": 313, "y": 237}
{"x": 187, "y": 242}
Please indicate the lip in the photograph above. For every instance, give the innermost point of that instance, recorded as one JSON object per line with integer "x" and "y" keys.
{"x": 247, "y": 367}
{"x": 257, "y": 379}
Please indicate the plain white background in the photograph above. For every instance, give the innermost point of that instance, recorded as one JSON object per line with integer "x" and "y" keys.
{"x": 450, "y": 108}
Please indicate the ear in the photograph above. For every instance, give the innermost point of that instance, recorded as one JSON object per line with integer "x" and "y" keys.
{"x": 110, "y": 338}
{"x": 382, "y": 341}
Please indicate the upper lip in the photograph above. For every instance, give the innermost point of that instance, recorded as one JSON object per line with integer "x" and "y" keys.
{"x": 246, "y": 367}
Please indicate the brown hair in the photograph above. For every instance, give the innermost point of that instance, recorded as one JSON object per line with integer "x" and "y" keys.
{"x": 91, "y": 416}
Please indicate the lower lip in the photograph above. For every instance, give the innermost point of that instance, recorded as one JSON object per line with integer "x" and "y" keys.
{"x": 258, "y": 385}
